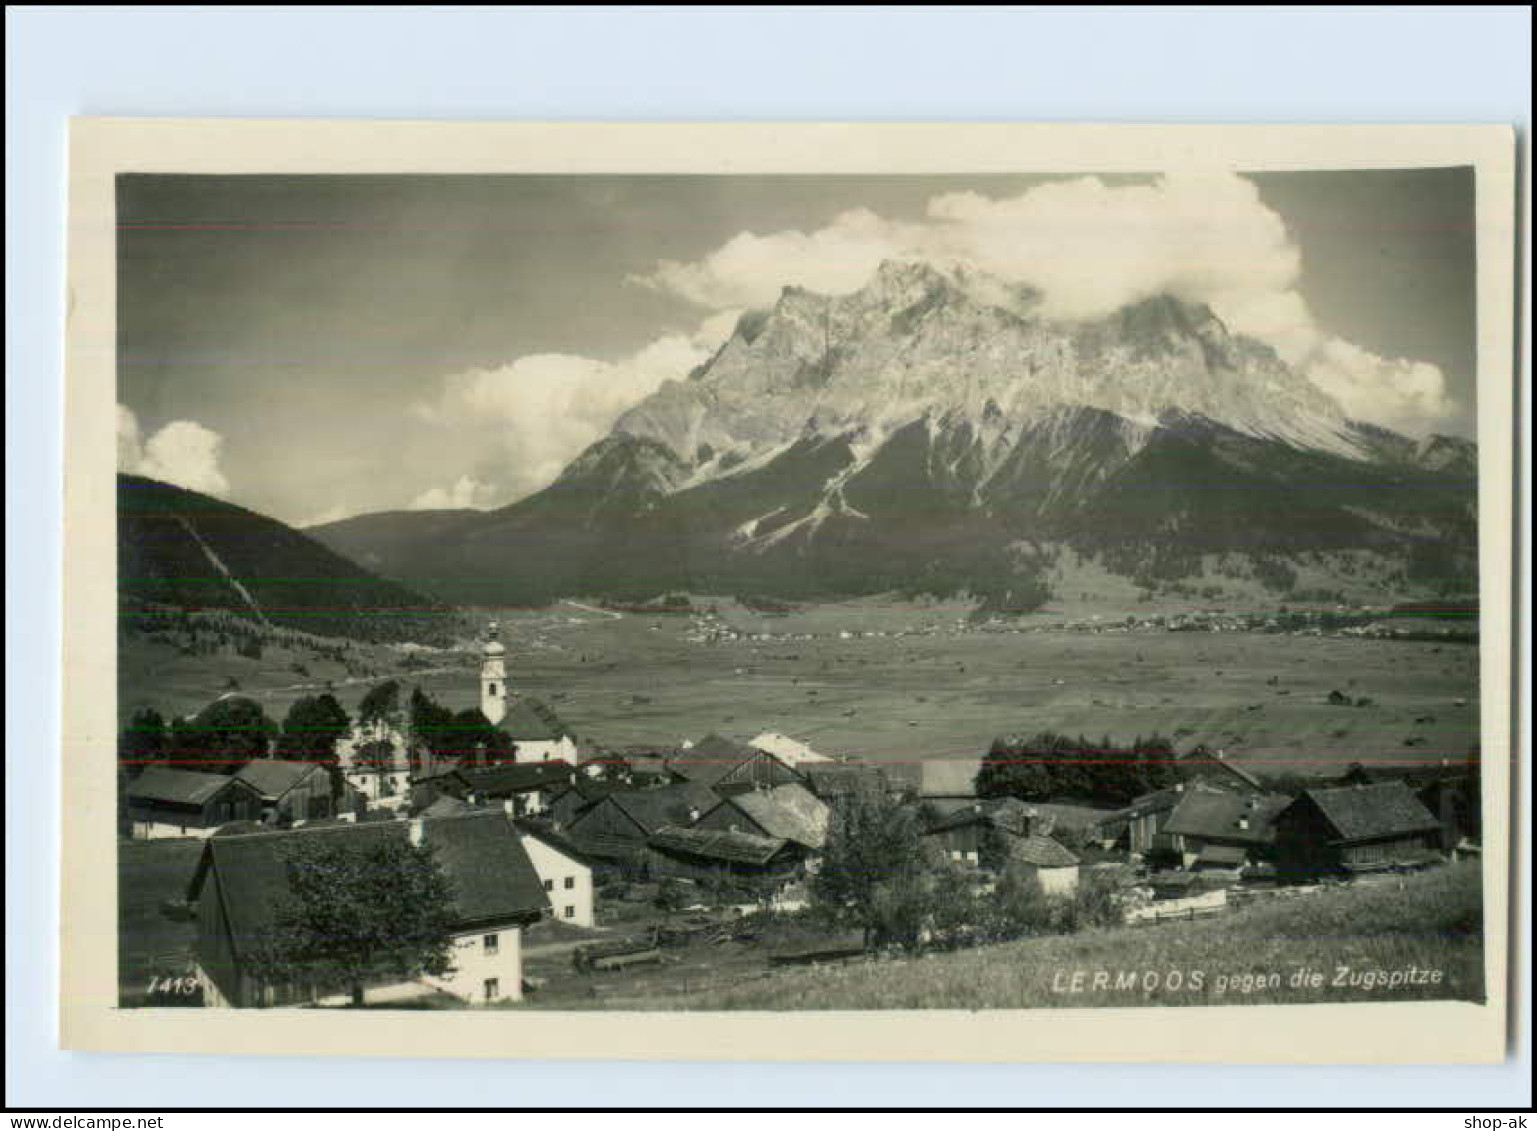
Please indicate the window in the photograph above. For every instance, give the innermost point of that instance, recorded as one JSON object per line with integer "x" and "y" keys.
{"x": 549, "y": 885}
{"x": 570, "y": 912}
{"x": 493, "y": 989}
{"x": 570, "y": 882}
{"x": 492, "y": 943}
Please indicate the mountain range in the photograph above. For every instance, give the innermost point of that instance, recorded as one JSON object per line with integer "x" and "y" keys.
{"x": 937, "y": 431}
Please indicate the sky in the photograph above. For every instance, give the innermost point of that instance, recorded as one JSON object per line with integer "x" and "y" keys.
{"x": 314, "y": 347}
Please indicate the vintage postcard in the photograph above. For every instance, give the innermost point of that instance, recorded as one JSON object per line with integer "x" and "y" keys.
{"x": 817, "y": 591}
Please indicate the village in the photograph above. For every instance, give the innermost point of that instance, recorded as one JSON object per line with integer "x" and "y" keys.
{"x": 576, "y": 873}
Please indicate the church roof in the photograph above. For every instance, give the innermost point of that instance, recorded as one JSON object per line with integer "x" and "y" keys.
{"x": 532, "y": 721}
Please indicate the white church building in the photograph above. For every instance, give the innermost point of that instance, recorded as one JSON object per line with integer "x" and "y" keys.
{"x": 535, "y": 729}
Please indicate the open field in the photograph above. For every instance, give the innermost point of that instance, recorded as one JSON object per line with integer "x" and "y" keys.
{"x": 899, "y": 682}
{"x": 1425, "y": 928}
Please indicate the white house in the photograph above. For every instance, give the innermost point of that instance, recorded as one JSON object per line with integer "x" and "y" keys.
{"x": 241, "y": 882}
{"x": 375, "y": 761}
{"x": 566, "y": 877}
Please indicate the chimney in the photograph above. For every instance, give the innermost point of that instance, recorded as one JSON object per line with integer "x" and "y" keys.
{"x": 693, "y": 814}
{"x": 414, "y": 832}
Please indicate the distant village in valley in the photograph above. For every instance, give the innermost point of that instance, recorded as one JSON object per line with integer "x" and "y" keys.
{"x": 523, "y": 864}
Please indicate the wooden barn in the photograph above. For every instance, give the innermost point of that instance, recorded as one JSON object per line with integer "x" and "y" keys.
{"x": 292, "y": 791}
{"x": 1353, "y": 829}
{"x": 731, "y": 767}
{"x": 1212, "y": 828}
{"x": 788, "y": 812}
{"x": 164, "y": 802}
{"x": 618, "y": 826}
{"x": 718, "y": 856}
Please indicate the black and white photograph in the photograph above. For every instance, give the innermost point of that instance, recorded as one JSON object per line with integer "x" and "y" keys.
{"x": 798, "y": 592}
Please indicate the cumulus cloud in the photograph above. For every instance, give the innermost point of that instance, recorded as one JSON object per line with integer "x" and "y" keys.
{"x": 1089, "y": 248}
{"x": 1400, "y": 394}
{"x": 527, "y": 419}
{"x": 462, "y": 493}
{"x": 183, "y": 452}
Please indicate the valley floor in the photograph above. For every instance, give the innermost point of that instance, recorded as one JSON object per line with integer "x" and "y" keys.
{"x": 899, "y": 682}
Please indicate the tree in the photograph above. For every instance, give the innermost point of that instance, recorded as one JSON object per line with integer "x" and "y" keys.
{"x": 1053, "y": 767}
{"x": 381, "y": 703}
{"x": 874, "y": 851}
{"x": 224, "y": 736}
{"x": 431, "y": 730}
{"x": 144, "y": 741}
{"x": 312, "y": 728}
{"x": 477, "y": 742}
{"x": 354, "y": 912}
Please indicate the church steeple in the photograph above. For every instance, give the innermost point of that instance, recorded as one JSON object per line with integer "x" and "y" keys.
{"x": 493, "y": 678}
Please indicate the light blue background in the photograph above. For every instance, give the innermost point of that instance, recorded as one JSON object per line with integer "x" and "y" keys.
{"x": 1155, "y": 65}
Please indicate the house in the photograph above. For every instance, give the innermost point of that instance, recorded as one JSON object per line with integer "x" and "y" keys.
{"x": 792, "y": 752}
{"x": 164, "y": 802}
{"x": 1052, "y": 864}
{"x": 713, "y": 855}
{"x": 960, "y": 834}
{"x": 1144, "y": 821}
{"x": 290, "y": 791}
{"x": 375, "y": 759}
{"x": 566, "y": 805}
{"x": 1354, "y": 828}
{"x": 242, "y": 881}
{"x": 525, "y": 788}
{"x": 947, "y": 784}
{"x": 1450, "y": 793}
{"x": 564, "y": 871}
{"x": 1213, "y": 828}
{"x": 618, "y": 826}
{"x": 730, "y": 767}
{"x": 528, "y": 787}
{"x": 787, "y": 812}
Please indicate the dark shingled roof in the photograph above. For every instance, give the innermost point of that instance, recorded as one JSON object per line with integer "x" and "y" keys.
{"x": 273, "y": 778}
{"x": 181, "y": 787}
{"x": 1370, "y": 812}
{"x": 490, "y": 874}
{"x": 1008, "y": 814}
{"x": 532, "y": 720}
{"x": 1043, "y": 852}
{"x": 514, "y": 777}
{"x": 1215, "y": 815}
{"x": 789, "y": 812}
{"x": 712, "y": 758}
{"x": 710, "y": 844}
{"x": 253, "y": 875}
{"x": 541, "y": 831}
{"x": 664, "y": 805}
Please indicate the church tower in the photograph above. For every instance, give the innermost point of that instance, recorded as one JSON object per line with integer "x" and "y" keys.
{"x": 493, "y": 678}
